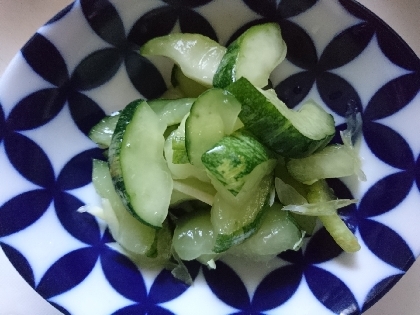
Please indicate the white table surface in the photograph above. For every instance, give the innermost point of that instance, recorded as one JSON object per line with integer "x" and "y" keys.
{"x": 19, "y": 19}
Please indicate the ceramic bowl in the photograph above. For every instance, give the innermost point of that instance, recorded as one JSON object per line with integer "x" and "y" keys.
{"x": 84, "y": 63}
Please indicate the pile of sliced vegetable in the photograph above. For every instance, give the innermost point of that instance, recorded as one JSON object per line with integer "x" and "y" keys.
{"x": 219, "y": 164}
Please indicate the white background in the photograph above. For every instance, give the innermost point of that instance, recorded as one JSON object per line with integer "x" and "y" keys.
{"x": 19, "y": 19}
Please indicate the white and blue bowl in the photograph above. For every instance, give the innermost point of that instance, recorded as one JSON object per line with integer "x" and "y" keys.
{"x": 84, "y": 63}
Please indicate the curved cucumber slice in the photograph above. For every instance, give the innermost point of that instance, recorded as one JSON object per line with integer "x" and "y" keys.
{"x": 234, "y": 223}
{"x": 102, "y": 132}
{"x": 288, "y": 132}
{"x": 177, "y": 158}
{"x": 188, "y": 86}
{"x": 234, "y": 157}
{"x": 171, "y": 112}
{"x": 131, "y": 234}
{"x": 140, "y": 174}
{"x": 196, "y": 189}
{"x": 278, "y": 232}
{"x": 252, "y": 181}
{"x": 253, "y": 55}
{"x": 320, "y": 192}
{"x": 193, "y": 236}
{"x": 213, "y": 115}
{"x": 198, "y": 56}
{"x": 333, "y": 161}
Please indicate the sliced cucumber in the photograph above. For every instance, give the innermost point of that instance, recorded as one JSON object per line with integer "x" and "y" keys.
{"x": 140, "y": 174}
{"x": 253, "y": 55}
{"x": 253, "y": 180}
{"x": 320, "y": 192}
{"x": 234, "y": 157}
{"x": 198, "y": 56}
{"x": 131, "y": 234}
{"x": 290, "y": 196}
{"x": 194, "y": 236}
{"x": 179, "y": 153}
{"x": 234, "y": 223}
{"x": 173, "y": 93}
{"x": 334, "y": 161}
{"x": 287, "y": 194}
{"x": 177, "y": 158}
{"x": 278, "y": 233}
{"x": 213, "y": 115}
{"x": 196, "y": 189}
{"x": 162, "y": 250}
{"x": 288, "y": 132}
{"x": 102, "y": 132}
{"x": 189, "y": 87}
{"x": 170, "y": 111}
{"x": 295, "y": 202}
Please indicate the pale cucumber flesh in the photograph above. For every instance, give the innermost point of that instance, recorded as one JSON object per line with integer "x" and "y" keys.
{"x": 278, "y": 232}
{"x": 253, "y": 55}
{"x": 333, "y": 161}
{"x": 139, "y": 171}
{"x": 213, "y": 115}
{"x": 194, "y": 236}
{"x": 125, "y": 229}
{"x": 234, "y": 223}
{"x": 198, "y": 56}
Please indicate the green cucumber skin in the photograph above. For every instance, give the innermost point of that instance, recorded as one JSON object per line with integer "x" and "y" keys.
{"x": 274, "y": 130}
{"x": 234, "y": 157}
{"x": 212, "y": 116}
{"x": 115, "y": 165}
{"x": 104, "y": 186}
{"x": 169, "y": 111}
{"x": 261, "y": 196}
{"x": 225, "y": 241}
{"x": 225, "y": 73}
{"x": 114, "y": 155}
{"x": 231, "y": 68}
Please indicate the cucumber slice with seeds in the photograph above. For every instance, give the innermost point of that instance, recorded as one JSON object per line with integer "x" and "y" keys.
{"x": 253, "y": 55}
{"x": 198, "y": 56}
{"x": 140, "y": 174}
{"x": 288, "y": 132}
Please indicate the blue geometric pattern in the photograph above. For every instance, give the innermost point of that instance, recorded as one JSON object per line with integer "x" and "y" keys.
{"x": 71, "y": 95}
